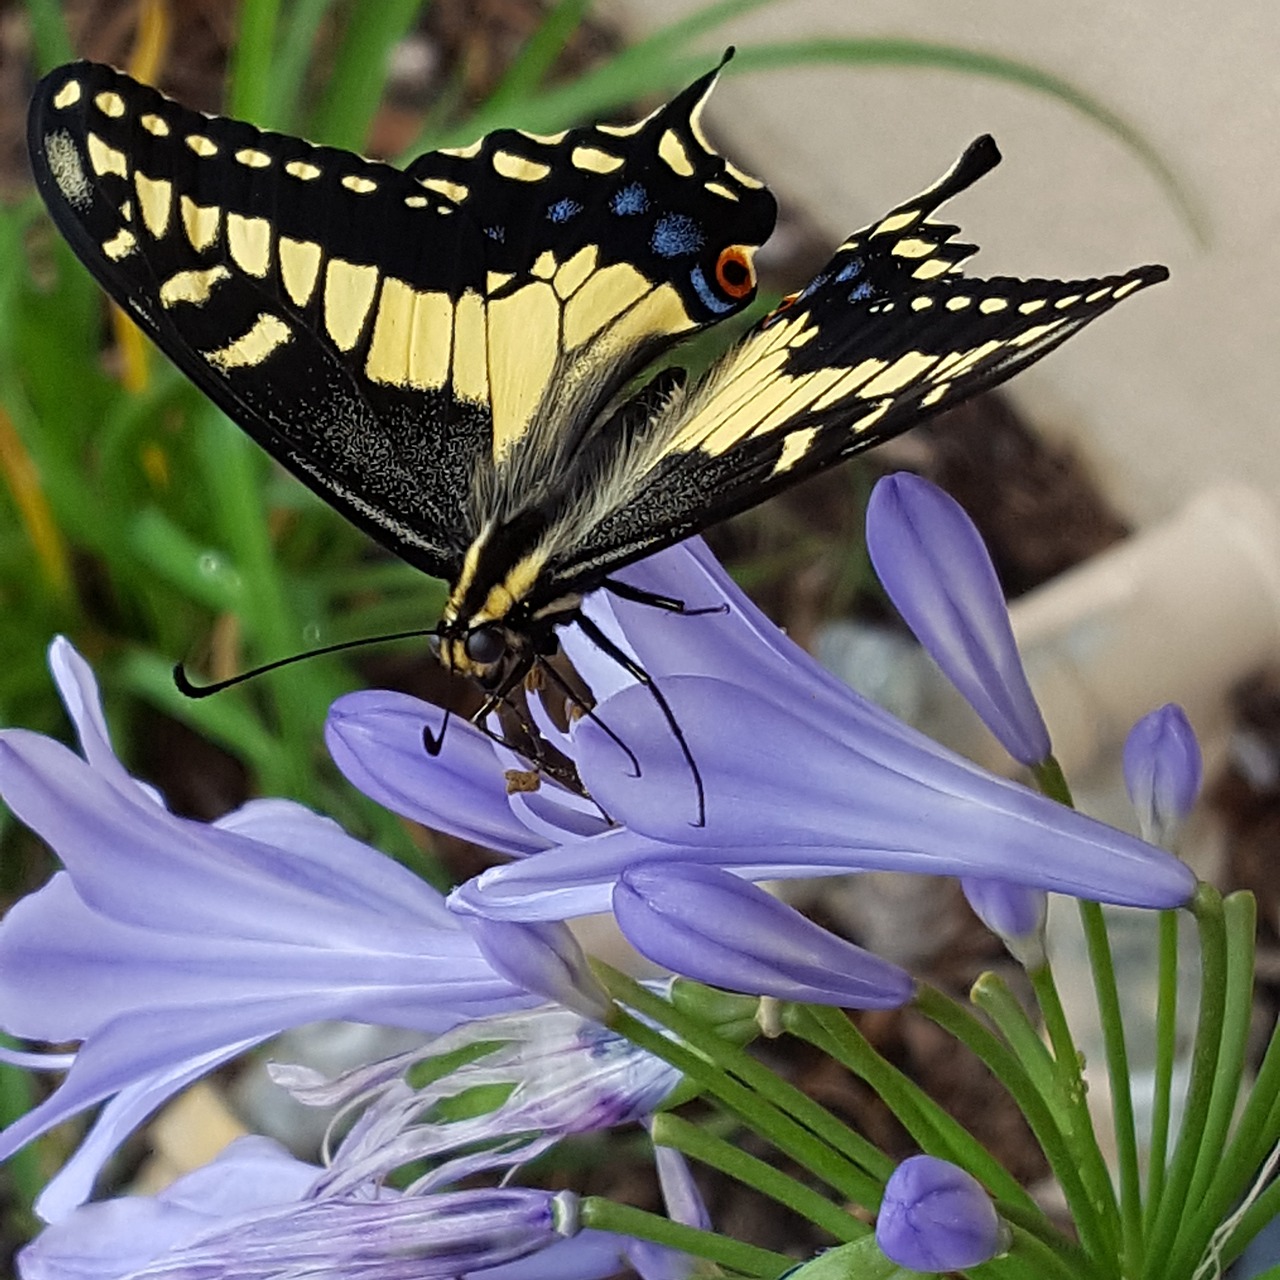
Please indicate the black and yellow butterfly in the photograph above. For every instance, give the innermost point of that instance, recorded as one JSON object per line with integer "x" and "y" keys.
{"x": 440, "y": 352}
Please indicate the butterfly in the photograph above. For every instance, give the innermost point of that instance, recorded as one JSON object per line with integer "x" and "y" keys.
{"x": 446, "y": 354}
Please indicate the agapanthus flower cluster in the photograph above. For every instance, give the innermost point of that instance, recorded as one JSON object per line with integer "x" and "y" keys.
{"x": 168, "y": 946}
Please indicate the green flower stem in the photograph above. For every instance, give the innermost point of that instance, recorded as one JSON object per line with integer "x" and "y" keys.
{"x": 1208, "y": 911}
{"x": 1254, "y": 1218}
{"x": 1050, "y": 779}
{"x": 1041, "y": 1257}
{"x": 1096, "y": 1227}
{"x": 933, "y": 1130}
{"x": 1107, "y": 993}
{"x": 605, "y": 1215}
{"x": 991, "y": 994}
{"x": 1166, "y": 1052}
{"x": 251, "y": 59}
{"x": 709, "y": 1060}
{"x": 1076, "y": 1120}
{"x": 1215, "y": 1185}
{"x": 671, "y": 1131}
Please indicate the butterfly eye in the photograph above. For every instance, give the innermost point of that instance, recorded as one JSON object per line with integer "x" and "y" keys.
{"x": 485, "y": 645}
{"x": 734, "y": 273}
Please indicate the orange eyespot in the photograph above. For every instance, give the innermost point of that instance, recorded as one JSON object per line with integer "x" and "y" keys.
{"x": 734, "y": 272}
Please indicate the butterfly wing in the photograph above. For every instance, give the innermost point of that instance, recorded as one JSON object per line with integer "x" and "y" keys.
{"x": 396, "y": 339}
{"x": 888, "y": 333}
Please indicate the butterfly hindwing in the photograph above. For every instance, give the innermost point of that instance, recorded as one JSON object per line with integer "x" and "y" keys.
{"x": 887, "y": 334}
{"x": 418, "y": 347}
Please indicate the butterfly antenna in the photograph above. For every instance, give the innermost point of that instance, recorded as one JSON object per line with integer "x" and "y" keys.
{"x": 637, "y": 672}
{"x": 190, "y": 690}
{"x": 588, "y": 712}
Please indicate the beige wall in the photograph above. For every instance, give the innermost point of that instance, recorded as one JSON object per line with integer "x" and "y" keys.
{"x": 1172, "y": 391}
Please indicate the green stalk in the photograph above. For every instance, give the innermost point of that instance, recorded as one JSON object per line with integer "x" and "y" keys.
{"x": 249, "y": 89}
{"x": 1077, "y": 1122}
{"x": 671, "y": 1131}
{"x": 1198, "y": 1225}
{"x": 1166, "y": 1053}
{"x": 294, "y": 51}
{"x": 1096, "y": 1228}
{"x": 49, "y": 34}
{"x": 746, "y": 1259}
{"x": 933, "y": 1130}
{"x": 805, "y": 1131}
{"x": 529, "y": 68}
{"x": 1208, "y": 911}
{"x": 1102, "y": 965}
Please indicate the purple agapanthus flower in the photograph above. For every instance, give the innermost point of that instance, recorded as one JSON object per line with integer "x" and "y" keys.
{"x": 801, "y": 776}
{"x": 1162, "y": 771}
{"x": 715, "y": 927}
{"x": 168, "y": 946}
{"x": 932, "y": 562}
{"x": 937, "y": 1217}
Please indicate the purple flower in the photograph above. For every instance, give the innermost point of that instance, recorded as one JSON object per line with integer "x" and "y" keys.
{"x": 801, "y": 776}
{"x": 167, "y": 946}
{"x": 715, "y": 927}
{"x": 562, "y": 1073}
{"x": 937, "y": 1217}
{"x": 1014, "y": 913}
{"x": 932, "y": 562}
{"x": 1162, "y": 770}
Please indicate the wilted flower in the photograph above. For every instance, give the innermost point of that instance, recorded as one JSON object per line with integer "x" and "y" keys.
{"x": 714, "y": 926}
{"x": 168, "y": 946}
{"x": 1162, "y": 771}
{"x": 933, "y": 564}
{"x": 937, "y": 1217}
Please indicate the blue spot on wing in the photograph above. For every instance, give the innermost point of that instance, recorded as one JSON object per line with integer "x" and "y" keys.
{"x": 711, "y": 300}
{"x": 631, "y": 199}
{"x": 861, "y": 293}
{"x": 850, "y": 271}
{"x": 496, "y": 233}
{"x": 676, "y": 235}
{"x": 563, "y": 210}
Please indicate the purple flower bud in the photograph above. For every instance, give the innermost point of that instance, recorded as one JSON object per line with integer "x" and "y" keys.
{"x": 932, "y": 562}
{"x": 937, "y": 1217}
{"x": 1013, "y": 912}
{"x": 542, "y": 956}
{"x": 711, "y": 925}
{"x": 1162, "y": 770}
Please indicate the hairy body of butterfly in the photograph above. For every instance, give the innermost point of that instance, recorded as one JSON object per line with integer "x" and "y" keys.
{"x": 440, "y": 352}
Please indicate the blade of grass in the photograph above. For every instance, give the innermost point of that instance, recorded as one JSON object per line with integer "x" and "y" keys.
{"x": 294, "y": 51}
{"x": 529, "y": 68}
{"x": 49, "y": 34}
{"x": 249, "y": 83}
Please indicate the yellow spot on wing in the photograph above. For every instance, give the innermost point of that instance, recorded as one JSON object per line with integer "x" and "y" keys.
{"x": 623, "y": 130}
{"x": 593, "y": 160}
{"x": 252, "y": 158}
{"x": 454, "y": 191}
{"x": 719, "y": 189}
{"x": 959, "y": 362}
{"x": 299, "y": 266}
{"x": 1098, "y": 294}
{"x": 1123, "y": 291}
{"x": 268, "y": 333}
{"x": 417, "y": 202}
{"x": 936, "y": 394}
{"x": 922, "y": 303}
{"x": 471, "y": 150}
{"x": 155, "y": 198}
{"x": 412, "y": 337}
{"x": 105, "y": 159}
{"x": 930, "y": 268}
{"x": 202, "y": 146}
{"x": 905, "y": 370}
{"x": 852, "y": 381}
{"x": 1027, "y": 308}
{"x": 545, "y": 266}
{"x": 671, "y": 150}
{"x": 509, "y": 165}
{"x": 523, "y": 347}
{"x": 570, "y": 278}
{"x": 745, "y": 178}
{"x": 200, "y": 223}
{"x": 348, "y": 294}
{"x": 989, "y": 306}
{"x": 110, "y": 104}
{"x": 361, "y": 185}
{"x": 958, "y": 303}
{"x": 302, "y": 170}
{"x": 544, "y": 139}
{"x": 470, "y": 349}
{"x": 155, "y": 125}
{"x": 913, "y": 248}
{"x": 605, "y": 295}
{"x": 1034, "y": 335}
{"x": 1069, "y": 301}
{"x": 67, "y": 96}
{"x": 896, "y": 222}
{"x": 494, "y": 280}
{"x": 794, "y": 447}
{"x": 192, "y": 286}
{"x": 120, "y": 245}
{"x": 249, "y": 240}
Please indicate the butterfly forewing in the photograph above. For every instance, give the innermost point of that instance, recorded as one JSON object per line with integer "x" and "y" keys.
{"x": 425, "y": 349}
{"x": 888, "y": 333}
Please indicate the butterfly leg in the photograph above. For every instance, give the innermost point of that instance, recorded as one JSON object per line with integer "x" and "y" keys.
{"x": 638, "y": 595}
{"x": 589, "y": 712}
{"x": 638, "y": 673}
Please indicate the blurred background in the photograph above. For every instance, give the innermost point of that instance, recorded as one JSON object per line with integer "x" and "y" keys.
{"x": 1129, "y": 484}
